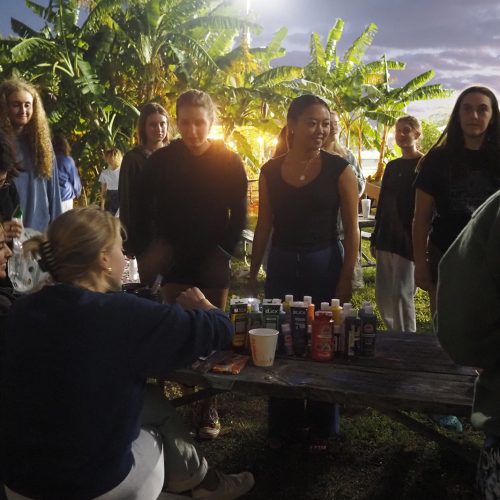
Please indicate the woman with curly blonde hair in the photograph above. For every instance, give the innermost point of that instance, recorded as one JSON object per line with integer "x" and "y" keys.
{"x": 22, "y": 117}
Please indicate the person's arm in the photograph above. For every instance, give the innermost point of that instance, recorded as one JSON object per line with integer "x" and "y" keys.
{"x": 75, "y": 179}
{"x": 103, "y": 194}
{"x": 348, "y": 193}
{"x": 166, "y": 337}
{"x": 54, "y": 192}
{"x": 127, "y": 186}
{"x": 262, "y": 232}
{"x": 378, "y": 214}
{"x": 468, "y": 294}
{"x": 237, "y": 209}
{"x": 424, "y": 208}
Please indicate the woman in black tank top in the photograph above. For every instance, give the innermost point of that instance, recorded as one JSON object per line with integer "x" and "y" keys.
{"x": 300, "y": 194}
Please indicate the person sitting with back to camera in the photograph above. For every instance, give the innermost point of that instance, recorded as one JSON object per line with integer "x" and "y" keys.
{"x": 105, "y": 433}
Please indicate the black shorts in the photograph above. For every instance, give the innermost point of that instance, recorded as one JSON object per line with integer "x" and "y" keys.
{"x": 204, "y": 267}
{"x": 208, "y": 269}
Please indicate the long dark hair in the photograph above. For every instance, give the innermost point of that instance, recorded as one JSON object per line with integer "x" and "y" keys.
{"x": 452, "y": 138}
{"x": 297, "y": 108}
{"x": 61, "y": 144}
{"x": 149, "y": 109}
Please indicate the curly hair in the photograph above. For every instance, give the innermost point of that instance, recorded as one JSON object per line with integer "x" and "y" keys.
{"x": 37, "y": 131}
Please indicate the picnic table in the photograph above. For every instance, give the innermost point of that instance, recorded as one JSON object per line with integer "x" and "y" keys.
{"x": 410, "y": 372}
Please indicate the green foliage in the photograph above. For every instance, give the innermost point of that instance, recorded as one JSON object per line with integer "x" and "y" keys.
{"x": 94, "y": 75}
{"x": 430, "y": 135}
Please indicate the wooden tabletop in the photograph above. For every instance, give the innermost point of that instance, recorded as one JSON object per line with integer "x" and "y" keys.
{"x": 408, "y": 372}
{"x": 366, "y": 222}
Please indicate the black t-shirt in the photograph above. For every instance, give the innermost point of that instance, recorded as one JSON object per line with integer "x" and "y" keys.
{"x": 458, "y": 190}
{"x": 395, "y": 208}
{"x": 305, "y": 216}
{"x": 194, "y": 202}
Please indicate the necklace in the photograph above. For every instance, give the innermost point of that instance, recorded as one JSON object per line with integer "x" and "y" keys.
{"x": 302, "y": 176}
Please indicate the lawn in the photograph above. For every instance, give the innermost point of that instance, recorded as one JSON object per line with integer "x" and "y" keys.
{"x": 375, "y": 458}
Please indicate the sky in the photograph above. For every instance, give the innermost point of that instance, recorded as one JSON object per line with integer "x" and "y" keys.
{"x": 459, "y": 39}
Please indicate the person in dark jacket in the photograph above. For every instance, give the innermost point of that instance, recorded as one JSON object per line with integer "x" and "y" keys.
{"x": 193, "y": 210}
{"x": 77, "y": 420}
{"x": 152, "y": 129}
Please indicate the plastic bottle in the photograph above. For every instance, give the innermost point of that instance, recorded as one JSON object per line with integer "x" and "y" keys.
{"x": 286, "y": 332}
{"x": 287, "y": 303}
{"x": 368, "y": 332}
{"x": 352, "y": 329}
{"x": 133, "y": 272}
{"x": 310, "y": 309}
{"x": 298, "y": 315}
{"x": 336, "y": 311}
{"x": 17, "y": 216}
{"x": 322, "y": 334}
{"x": 362, "y": 309}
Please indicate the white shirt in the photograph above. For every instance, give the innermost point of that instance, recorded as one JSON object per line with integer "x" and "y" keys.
{"x": 110, "y": 178}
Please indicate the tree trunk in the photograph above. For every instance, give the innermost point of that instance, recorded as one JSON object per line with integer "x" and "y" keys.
{"x": 380, "y": 166}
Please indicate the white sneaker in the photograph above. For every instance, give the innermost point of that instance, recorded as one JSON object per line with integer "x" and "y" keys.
{"x": 231, "y": 486}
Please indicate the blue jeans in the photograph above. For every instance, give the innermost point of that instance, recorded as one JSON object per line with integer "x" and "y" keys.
{"x": 303, "y": 272}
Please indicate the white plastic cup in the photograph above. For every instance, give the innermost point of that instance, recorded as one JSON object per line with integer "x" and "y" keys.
{"x": 366, "y": 204}
{"x": 263, "y": 342}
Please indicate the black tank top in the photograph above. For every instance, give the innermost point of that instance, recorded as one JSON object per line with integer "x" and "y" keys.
{"x": 306, "y": 216}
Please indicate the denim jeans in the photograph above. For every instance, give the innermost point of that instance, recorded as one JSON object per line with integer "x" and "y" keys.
{"x": 303, "y": 272}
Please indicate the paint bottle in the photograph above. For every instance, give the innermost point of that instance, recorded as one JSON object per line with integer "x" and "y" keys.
{"x": 352, "y": 332}
{"x": 286, "y": 333}
{"x": 336, "y": 311}
{"x": 362, "y": 309}
{"x": 298, "y": 315}
{"x": 322, "y": 334}
{"x": 310, "y": 309}
{"x": 368, "y": 332}
{"x": 238, "y": 311}
{"x": 337, "y": 346}
{"x": 287, "y": 303}
{"x": 254, "y": 319}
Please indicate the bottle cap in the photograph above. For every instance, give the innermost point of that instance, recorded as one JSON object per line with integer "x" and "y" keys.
{"x": 308, "y": 299}
{"x": 368, "y": 310}
{"x": 335, "y": 303}
{"x": 289, "y": 298}
{"x": 325, "y": 306}
{"x": 347, "y": 306}
{"x": 298, "y": 303}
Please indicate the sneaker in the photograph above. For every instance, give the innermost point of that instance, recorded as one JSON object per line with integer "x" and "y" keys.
{"x": 230, "y": 486}
{"x": 209, "y": 426}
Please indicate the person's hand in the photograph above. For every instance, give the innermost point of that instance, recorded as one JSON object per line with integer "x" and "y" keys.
{"x": 373, "y": 252}
{"x": 12, "y": 229}
{"x": 423, "y": 277}
{"x": 193, "y": 298}
{"x": 344, "y": 290}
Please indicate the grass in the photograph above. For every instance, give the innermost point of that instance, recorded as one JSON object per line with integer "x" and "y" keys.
{"x": 375, "y": 458}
